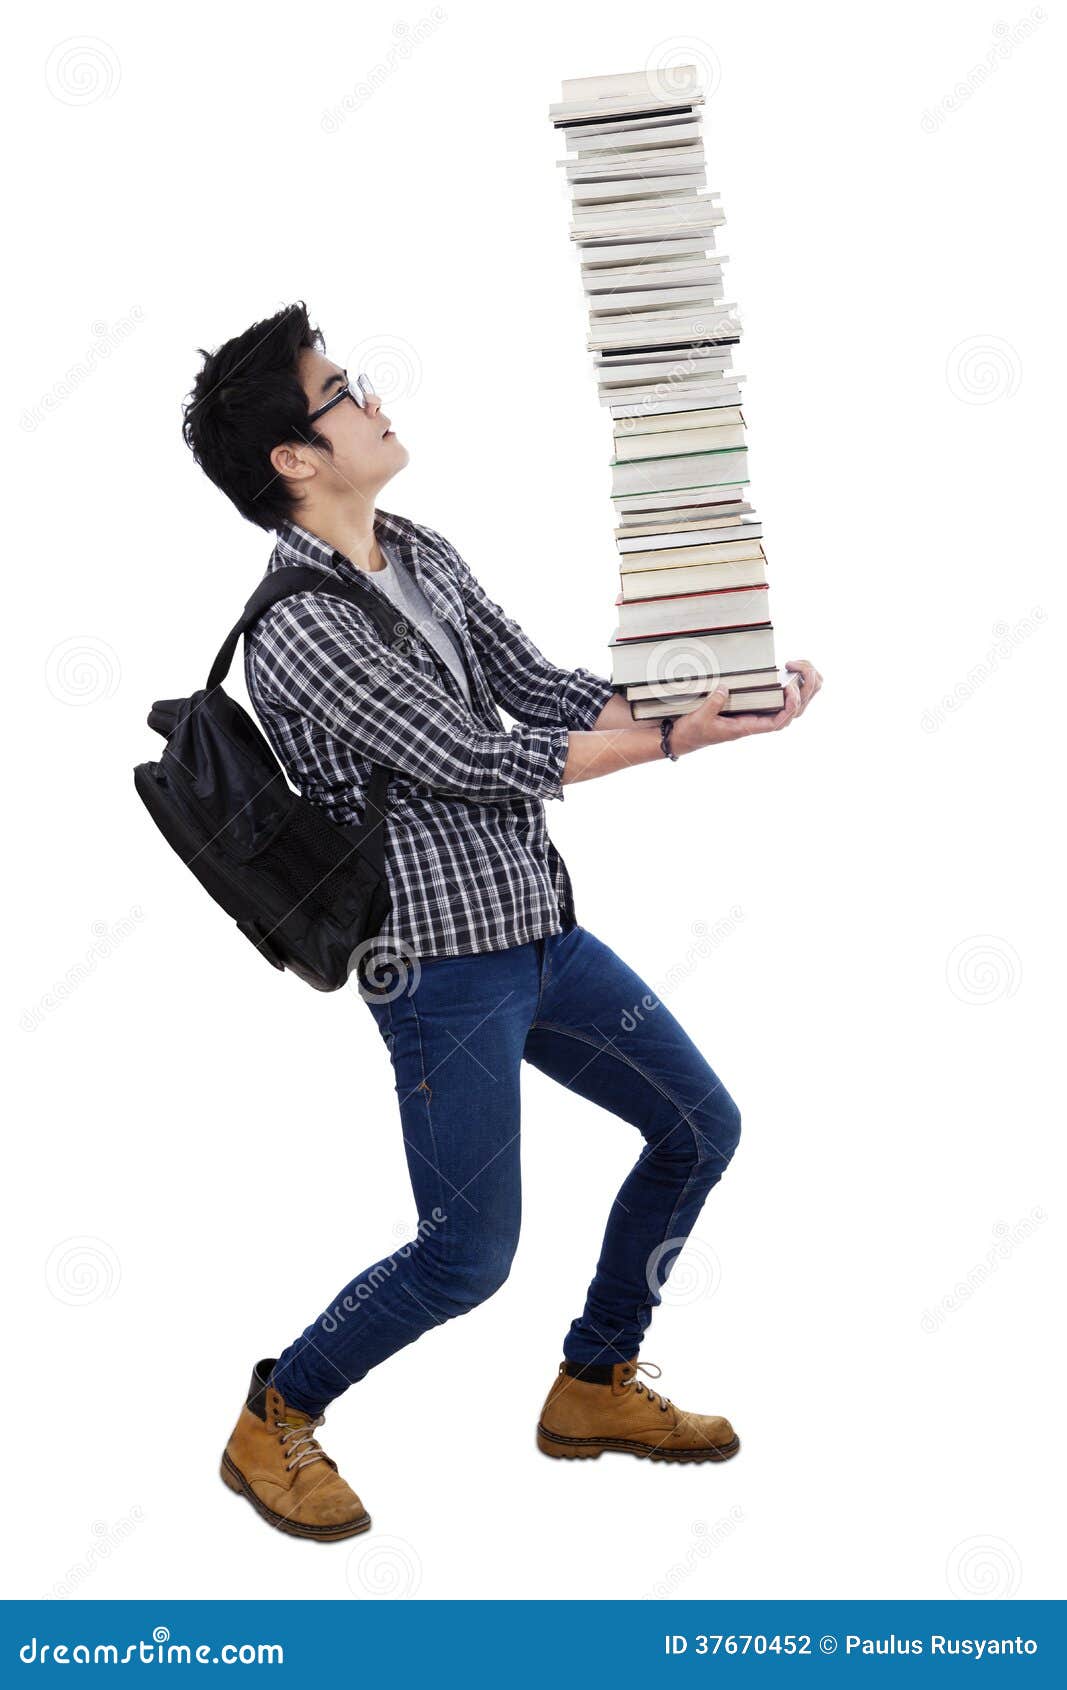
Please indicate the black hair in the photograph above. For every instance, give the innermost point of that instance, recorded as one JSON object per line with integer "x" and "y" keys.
{"x": 246, "y": 400}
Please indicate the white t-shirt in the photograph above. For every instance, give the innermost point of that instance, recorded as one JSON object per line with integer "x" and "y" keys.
{"x": 400, "y": 585}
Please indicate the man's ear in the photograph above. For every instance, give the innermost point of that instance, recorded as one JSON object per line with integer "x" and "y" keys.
{"x": 292, "y": 463}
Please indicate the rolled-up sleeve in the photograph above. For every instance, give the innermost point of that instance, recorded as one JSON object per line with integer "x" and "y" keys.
{"x": 521, "y": 678}
{"x": 313, "y": 655}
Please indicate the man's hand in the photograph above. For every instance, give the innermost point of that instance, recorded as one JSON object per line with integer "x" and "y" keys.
{"x": 706, "y": 725}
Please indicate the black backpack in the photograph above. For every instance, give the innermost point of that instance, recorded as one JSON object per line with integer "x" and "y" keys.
{"x": 307, "y": 892}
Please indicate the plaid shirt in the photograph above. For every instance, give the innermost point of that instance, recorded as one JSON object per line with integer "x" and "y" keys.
{"x": 469, "y": 861}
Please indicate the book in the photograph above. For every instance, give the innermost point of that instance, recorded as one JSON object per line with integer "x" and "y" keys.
{"x": 671, "y": 423}
{"x": 698, "y": 686}
{"x": 662, "y": 658}
{"x": 690, "y": 473}
{"x": 716, "y": 575}
{"x": 659, "y": 531}
{"x": 716, "y": 502}
{"x": 744, "y": 701}
{"x": 680, "y": 442}
{"x": 693, "y": 613}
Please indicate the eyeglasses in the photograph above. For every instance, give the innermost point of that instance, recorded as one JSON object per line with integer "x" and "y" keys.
{"x": 360, "y": 397}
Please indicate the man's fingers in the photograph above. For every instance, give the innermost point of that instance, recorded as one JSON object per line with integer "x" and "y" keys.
{"x": 810, "y": 678}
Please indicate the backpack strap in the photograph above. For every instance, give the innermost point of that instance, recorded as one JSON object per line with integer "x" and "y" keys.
{"x": 282, "y": 583}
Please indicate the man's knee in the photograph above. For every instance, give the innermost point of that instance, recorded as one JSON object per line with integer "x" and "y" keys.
{"x": 456, "y": 1283}
{"x": 729, "y": 1126}
{"x": 717, "y": 1132}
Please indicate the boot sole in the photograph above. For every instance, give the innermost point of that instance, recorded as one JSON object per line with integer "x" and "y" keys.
{"x": 587, "y": 1449}
{"x": 234, "y": 1479}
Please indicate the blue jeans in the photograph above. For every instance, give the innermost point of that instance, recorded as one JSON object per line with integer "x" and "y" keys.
{"x": 457, "y": 1036}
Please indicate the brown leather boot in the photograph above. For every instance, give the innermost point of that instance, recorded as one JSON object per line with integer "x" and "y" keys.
{"x": 273, "y": 1459}
{"x": 608, "y": 1407}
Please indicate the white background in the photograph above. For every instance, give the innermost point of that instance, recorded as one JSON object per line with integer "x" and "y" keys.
{"x": 205, "y": 1151}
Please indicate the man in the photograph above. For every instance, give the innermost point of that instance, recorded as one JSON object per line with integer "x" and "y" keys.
{"x": 481, "y": 963}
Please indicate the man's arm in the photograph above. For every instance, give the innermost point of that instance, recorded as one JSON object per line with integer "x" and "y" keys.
{"x": 314, "y": 656}
{"x": 520, "y": 677}
{"x": 618, "y": 714}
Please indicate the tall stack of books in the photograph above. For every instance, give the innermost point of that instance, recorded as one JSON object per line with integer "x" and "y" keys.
{"x": 693, "y": 602}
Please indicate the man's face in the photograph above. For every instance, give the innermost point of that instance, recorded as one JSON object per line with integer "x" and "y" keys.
{"x": 365, "y": 451}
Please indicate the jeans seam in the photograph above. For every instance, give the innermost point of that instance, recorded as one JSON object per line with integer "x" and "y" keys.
{"x": 424, "y": 1087}
{"x": 541, "y": 976}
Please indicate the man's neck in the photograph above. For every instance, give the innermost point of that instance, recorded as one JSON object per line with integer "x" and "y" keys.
{"x": 351, "y": 533}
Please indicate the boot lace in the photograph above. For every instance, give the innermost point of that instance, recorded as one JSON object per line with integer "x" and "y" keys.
{"x": 300, "y": 1445}
{"x": 654, "y": 1397}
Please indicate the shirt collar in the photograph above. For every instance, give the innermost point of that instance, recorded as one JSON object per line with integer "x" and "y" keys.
{"x": 295, "y": 545}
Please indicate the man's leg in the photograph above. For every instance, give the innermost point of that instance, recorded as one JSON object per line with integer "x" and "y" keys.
{"x": 602, "y": 1032}
{"x": 456, "y": 1045}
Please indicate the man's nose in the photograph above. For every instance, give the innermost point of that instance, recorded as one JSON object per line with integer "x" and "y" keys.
{"x": 372, "y": 403}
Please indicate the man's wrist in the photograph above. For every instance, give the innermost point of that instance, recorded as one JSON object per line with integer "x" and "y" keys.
{"x": 679, "y": 738}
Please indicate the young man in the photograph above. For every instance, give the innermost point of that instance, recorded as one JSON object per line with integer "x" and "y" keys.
{"x": 481, "y": 963}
